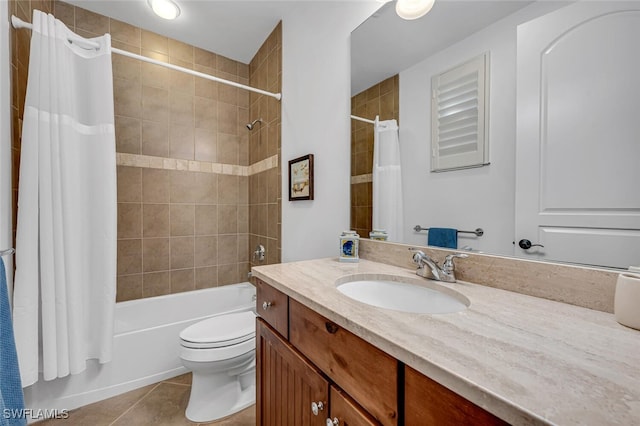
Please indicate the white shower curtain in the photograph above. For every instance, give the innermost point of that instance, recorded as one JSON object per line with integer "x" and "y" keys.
{"x": 64, "y": 297}
{"x": 387, "y": 181}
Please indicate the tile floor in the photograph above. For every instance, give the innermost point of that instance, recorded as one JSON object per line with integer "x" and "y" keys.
{"x": 161, "y": 404}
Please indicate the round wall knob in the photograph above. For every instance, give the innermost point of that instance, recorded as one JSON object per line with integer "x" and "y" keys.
{"x": 316, "y": 407}
{"x": 334, "y": 422}
{"x": 526, "y": 244}
{"x": 266, "y": 305}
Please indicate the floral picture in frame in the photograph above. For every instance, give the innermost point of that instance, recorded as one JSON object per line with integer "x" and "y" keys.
{"x": 301, "y": 178}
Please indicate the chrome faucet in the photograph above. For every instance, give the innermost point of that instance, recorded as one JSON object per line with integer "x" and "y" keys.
{"x": 428, "y": 268}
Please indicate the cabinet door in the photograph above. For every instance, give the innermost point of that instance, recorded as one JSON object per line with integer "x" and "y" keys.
{"x": 287, "y": 384}
{"x": 366, "y": 373}
{"x": 345, "y": 411}
{"x": 429, "y": 403}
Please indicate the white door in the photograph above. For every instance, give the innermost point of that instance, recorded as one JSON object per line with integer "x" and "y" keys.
{"x": 578, "y": 135}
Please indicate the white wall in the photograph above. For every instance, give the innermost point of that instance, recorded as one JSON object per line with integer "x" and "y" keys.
{"x": 474, "y": 198}
{"x": 316, "y": 106}
{"x": 5, "y": 140}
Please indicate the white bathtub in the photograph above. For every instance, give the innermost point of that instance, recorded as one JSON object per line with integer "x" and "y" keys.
{"x": 146, "y": 346}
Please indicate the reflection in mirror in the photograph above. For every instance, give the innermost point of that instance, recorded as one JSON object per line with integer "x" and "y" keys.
{"x": 562, "y": 138}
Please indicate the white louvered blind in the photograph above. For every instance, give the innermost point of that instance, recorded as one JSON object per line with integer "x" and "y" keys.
{"x": 460, "y": 116}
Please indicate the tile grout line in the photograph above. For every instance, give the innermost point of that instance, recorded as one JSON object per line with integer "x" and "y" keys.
{"x": 136, "y": 403}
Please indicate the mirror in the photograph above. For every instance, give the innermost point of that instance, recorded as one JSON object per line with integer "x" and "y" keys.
{"x": 392, "y": 65}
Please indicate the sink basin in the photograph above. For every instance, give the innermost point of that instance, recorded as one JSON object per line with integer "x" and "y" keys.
{"x": 401, "y": 294}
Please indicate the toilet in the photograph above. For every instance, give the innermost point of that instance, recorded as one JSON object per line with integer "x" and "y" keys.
{"x": 221, "y": 353}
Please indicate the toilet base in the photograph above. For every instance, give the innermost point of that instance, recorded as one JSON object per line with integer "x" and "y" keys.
{"x": 217, "y": 395}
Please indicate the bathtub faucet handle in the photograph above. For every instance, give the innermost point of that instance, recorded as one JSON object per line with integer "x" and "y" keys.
{"x": 259, "y": 253}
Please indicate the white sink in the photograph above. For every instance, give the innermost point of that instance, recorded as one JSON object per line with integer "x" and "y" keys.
{"x": 400, "y": 294}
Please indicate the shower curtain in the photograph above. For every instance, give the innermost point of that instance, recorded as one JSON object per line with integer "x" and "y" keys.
{"x": 387, "y": 181}
{"x": 64, "y": 291}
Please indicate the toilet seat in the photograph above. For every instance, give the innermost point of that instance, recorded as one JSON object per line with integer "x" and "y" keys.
{"x": 220, "y": 331}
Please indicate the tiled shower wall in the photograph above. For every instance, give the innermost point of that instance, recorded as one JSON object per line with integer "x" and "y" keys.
{"x": 265, "y": 198}
{"x": 183, "y": 175}
{"x": 382, "y": 100}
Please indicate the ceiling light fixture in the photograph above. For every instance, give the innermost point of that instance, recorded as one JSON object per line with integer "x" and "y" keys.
{"x": 165, "y": 9}
{"x": 413, "y": 9}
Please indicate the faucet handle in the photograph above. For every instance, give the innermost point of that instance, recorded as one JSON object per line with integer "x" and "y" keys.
{"x": 417, "y": 255}
{"x": 448, "y": 265}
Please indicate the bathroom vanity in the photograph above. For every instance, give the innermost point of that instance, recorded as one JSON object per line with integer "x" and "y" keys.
{"x": 508, "y": 358}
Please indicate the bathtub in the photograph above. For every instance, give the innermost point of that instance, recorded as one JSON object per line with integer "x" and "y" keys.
{"x": 146, "y": 346}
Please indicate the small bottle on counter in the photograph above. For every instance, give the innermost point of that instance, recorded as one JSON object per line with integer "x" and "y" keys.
{"x": 379, "y": 235}
{"x": 349, "y": 241}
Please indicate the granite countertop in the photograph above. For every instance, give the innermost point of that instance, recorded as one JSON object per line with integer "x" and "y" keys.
{"x": 525, "y": 359}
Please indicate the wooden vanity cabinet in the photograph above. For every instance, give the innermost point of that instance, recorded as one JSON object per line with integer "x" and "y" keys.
{"x": 367, "y": 374}
{"x": 427, "y": 402}
{"x": 287, "y": 384}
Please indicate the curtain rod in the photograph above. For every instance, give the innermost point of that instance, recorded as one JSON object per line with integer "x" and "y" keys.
{"x": 375, "y": 122}
{"x": 19, "y": 23}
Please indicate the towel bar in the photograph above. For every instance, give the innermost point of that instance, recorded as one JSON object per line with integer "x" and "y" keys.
{"x": 479, "y": 232}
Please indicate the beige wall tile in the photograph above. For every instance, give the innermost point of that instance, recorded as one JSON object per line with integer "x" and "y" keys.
{"x": 129, "y": 287}
{"x": 206, "y": 188}
{"x": 227, "y": 148}
{"x": 206, "y": 251}
{"x": 272, "y": 220}
{"x": 243, "y": 219}
{"x": 206, "y": 219}
{"x": 91, "y": 22}
{"x": 181, "y": 142}
{"x": 258, "y": 219}
{"x": 182, "y": 252}
{"x": 228, "y": 274}
{"x": 227, "y": 249}
{"x": 206, "y": 113}
{"x": 182, "y": 280}
{"x": 182, "y": 109}
{"x": 155, "y": 75}
{"x": 65, "y": 12}
{"x": 127, "y": 98}
{"x": 228, "y": 94}
{"x": 155, "y": 104}
{"x": 227, "y": 219}
{"x": 228, "y": 189}
{"x": 206, "y": 277}
{"x": 155, "y": 254}
{"x": 129, "y": 184}
{"x": 204, "y": 58}
{"x": 126, "y": 68}
{"x": 125, "y": 33}
{"x": 227, "y": 118}
{"x": 181, "y": 51}
{"x": 155, "y": 138}
{"x": 227, "y": 65}
{"x": 243, "y": 248}
{"x": 156, "y": 284}
{"x": 155, "y": 220}
{"x": 128, "y": 134}
{"x": 182, "y": 187}
{"x": 155, "y": 42}
{"x": 182, "y": 219}
{"x": 129, "y": 256}
{"x": 129, "y": 220}
{"x": 206, "y": 145}
{"x": 155, "y": 186}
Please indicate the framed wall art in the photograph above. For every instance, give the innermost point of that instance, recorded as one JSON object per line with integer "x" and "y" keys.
{"x": 301, "y": 178}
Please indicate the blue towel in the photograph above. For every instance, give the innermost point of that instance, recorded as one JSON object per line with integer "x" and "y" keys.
{"x": 443, "y": 237}
{"x": 11, "y": 396}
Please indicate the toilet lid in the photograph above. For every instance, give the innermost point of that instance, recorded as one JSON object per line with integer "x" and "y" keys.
{"x": 220, "y": 331}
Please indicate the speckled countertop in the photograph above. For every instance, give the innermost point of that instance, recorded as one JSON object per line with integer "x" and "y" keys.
{"x": 527, "y": 360}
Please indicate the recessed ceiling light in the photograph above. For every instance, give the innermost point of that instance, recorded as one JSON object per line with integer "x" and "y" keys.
{"x": 413, "y": 9}
{"x": 166, "y": 9}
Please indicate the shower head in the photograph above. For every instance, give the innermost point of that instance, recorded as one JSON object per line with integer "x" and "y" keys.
{"x": 251, "y": 125}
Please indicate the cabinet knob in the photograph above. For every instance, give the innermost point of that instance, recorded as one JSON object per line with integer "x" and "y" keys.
{"x": 266, "y": 305}
{"x": 334, "y": 422}
{"x": 316, "y": 407}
